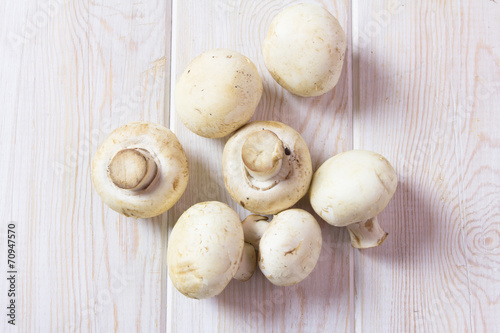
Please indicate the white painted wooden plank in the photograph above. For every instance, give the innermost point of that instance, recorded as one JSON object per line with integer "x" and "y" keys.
{"x": 418, "y": 67}
{"x": 80, "y": 70}
{"x": 132, "y": 55}
{"x": 321, "y": 301}
{"x": 478, "y": 158}
{"x": 426, "y": 91}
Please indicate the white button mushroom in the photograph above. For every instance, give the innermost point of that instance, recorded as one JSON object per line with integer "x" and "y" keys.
{"x": 351, "y": 189}
{"x": 304, "y": 49}
{"x": 266, "y": 167}
{"x": 289, "y": 246}
{"x": 248, "y": 263}
{"x": 140, "y": 170}
{"x": 206, "y": 250}
{"x": 218, "y": 93}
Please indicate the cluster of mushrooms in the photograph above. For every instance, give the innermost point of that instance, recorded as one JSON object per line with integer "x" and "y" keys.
{"x": 141, "y": 169}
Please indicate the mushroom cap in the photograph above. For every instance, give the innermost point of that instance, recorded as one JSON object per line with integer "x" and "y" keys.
{"x": 205, "y": 249}
{"x": 290, "y": 247}
{"x": 351, "y": 187}
{"x": 218, "y": 93}
{"x": 304, "y": 49}
{"x": 172, "y": 170}
{"x": 281, "y": 191}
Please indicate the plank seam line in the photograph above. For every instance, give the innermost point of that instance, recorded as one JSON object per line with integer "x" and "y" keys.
{"x": 354, "y": 24}
{"x": 172, "y": 126}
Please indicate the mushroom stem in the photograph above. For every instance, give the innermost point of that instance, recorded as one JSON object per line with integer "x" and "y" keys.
{"x": 132, "y": 169}
{"x": 254, "y": 227}
{"x": 366, "y": 234}
{"x": 262, "y": 154}
{"x": 248, "y": 263}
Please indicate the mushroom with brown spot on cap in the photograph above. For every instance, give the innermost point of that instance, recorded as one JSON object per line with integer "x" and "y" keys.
{"x": 217, "y": 93}
{"x": 266, "y": 167}
{"x": 350, "y": 190}
{"x": 140, "y": 170}
{"x": 206, "y": 249}
{"x": 288, "y": 247}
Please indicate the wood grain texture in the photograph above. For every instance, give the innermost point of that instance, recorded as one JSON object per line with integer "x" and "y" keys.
{"x": 420, "y": 85}
{"x": 478, "y": 156}
{"x": 322, "y": 300}
{"x": 71, "y": 73}
{"x": 425, "y": 100}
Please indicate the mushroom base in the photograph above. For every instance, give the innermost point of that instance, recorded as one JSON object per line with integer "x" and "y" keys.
{"x": 366, "y": 234}
{"x": 248, "y": 263}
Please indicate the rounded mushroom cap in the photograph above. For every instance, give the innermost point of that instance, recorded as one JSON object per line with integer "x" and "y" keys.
{"x": 122, "y": 153}
{"x": 290, "y": 247}
{"x": 205, "y": 249}
{"x": 351, "y": 187}
{"x": 304, "y": 49}
{"x": 218, "y": 93}
{"x": 281, "y": 191}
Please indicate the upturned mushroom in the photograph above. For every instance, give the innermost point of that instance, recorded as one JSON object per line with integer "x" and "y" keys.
{"x": 304, "y": 49}
{"x": 288, "y": 247}
{"x": 140, "y": 170}
{"x": 266, "y": 167}
{"x": 350, "y": 190}
{"x": 217, "y": 93}
{"x": 206, "y": 250}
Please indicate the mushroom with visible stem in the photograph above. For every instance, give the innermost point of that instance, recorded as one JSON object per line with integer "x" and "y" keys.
{"x": 140, "y": 170}
{"x": 304, "y": 49}
{"x": 262, "y": 154}
{"x": 254, "y": 226}
{"x": 206, "y": 249}
{"x": 288, "y": 247}
{"x": 266, "y": 167}
{"x": 350, "y": 190}
{"x": 248, "y": 263}
{"x": 217, "y": 93}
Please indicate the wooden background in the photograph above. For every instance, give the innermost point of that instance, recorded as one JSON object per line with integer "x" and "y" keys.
{"x": 420, "y": 85}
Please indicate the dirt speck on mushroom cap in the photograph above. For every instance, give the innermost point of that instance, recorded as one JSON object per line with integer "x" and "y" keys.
{"x": 282, "y": 190}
